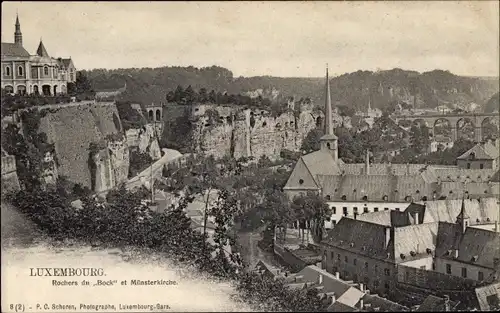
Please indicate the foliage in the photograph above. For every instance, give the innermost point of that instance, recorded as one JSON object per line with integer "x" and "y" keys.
{"x": 178, "y": 135}
{"x": 130, "y": 117}
{"x": 311, "y": 209}
{"x": 139, "y": 161}
{"x": 444, "y": 157}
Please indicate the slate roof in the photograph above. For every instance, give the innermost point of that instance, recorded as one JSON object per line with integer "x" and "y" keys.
{"x": 483, "y": 151}
{"x": 479, "y": 211}
{"x": 350, "y": 234}
{"x": 14, "y": 50}
{"x": 320, "y": 162}
{"x": 434, "y": 304}
{"x": 380, "y": 217}
{"x": 383, "y": 304}
{"x": 414, "y": 239}
{"x": 66, "y": 62}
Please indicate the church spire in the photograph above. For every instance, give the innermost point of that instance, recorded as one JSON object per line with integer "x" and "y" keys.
{"x": 462, "y": 217}
{"x": 329, "y": 140}
{"x": 18, "y": 36}
{"x": 328, "y": 107}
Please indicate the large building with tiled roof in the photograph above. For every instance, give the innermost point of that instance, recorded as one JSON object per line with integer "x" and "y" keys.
{"x": 23, "y": 73}
{"x": 353, "y": 189}
{"x": 438, "y": 247}
{"x": 482, "y": 155}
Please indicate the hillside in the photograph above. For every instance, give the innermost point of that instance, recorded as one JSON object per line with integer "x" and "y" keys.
{"x": 493, "y": 105}
{"x": 427, "y": 89}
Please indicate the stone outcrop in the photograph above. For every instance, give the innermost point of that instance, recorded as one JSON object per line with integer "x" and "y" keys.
{"x": 74, "y": 129}
{"x": 145, "y": 140}
{"x": 10, "y": 181}
{"x": 250, "y": 132}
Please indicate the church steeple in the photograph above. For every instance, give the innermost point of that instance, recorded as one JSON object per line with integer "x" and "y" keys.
{"x": 463, "y": 218}
{"x": 329, "y": 140}
{"x": 18, "y": 36}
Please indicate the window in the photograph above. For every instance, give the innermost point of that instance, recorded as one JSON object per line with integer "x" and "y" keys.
{"x": 334, "y": 210}
{"x": 7, "y": 71}
{"x": 344, "y": 197}
{"x": 386, "y": 198}
{"x": 346, "y": 259}
{"x": 480, "y": 275}
{"x": 366, "y": 280}
{"x": 422, "y": 267}
{"x": 366, "y": 265}
{"x": 464, "y": 272}
{"x": 332, "y": 255}
{"x": 387, "y": 272}
{"x": 387, "y": 286}
{"x": 397, "y": 209}
{"x": 46, "y": 71}
{"x": 301, "y": 181}
{"x": 375, "y": 268}
{"x": 338, "y": 257}
{"x": 375, "y": 209}
{"x": 344, "y": 209}
{"x": 355, "y": 277}
{"x": 20, "y": 71}
{"x": 355, "y": 209}
{"x": 328, "y": 197}
{"x": 468, "y": 165}
{"x": 481, "y": 166}
{"x": 355, "y": 261}
{"x": 346, "y": 274}
{"x": 433, "y": 266}
{"x": 386, "y": 209}
{"x": 334, "y": 222}
{"x": 376, "y": 284}
{"x": 407, "y": 276}
{"x": 448, "y": 268}
{"x": 365, "y": 198}
{"x": 365, "y": 210}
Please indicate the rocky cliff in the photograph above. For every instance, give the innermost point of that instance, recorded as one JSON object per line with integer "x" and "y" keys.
{"x": 10, "y": 181}
{"x": 145, "y": 140}
{"x": 90, "y": 145}
{"x": 250, "y": 132}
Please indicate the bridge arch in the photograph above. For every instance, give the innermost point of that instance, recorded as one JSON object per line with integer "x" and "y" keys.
{"x": 442, "y": 127}
{"x": 466, "y": 128}
{"x": 490, "y": 129}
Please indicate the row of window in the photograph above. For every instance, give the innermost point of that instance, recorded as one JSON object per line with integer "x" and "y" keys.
{"x": 481, "y": 166}
{"x": 355, "y": 210}
{"x": 365, "y": 198}
{"x": 387, "y": 272}
{"x": 480, "y": 275}
{"x": 20, "y": 71}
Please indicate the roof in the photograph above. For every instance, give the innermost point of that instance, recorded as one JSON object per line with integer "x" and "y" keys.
{"x": 488, "y": 296}
{"x": 66, "y": 62}
{"x": 14, "y": 50}
{"x": 480, "y": 211}
{"x": 412, "y": 241}
{"x": 350, "y": 234}
{"x": 380, "y": 217}
{"x": 328, "y": 137}
{"x": 321, "y": 162}
{"x": 41, "y": 51}
{"x": 383, "y": 304}
{"x": 434, "y": 304}
{"x": 480, "y": 244}
{"x": 340, "y": 307}
{"x": 482, "y": 151}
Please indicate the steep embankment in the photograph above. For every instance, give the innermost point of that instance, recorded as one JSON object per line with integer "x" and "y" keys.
{"x": 16, "y": 229}
{"x": 73, "y": 129}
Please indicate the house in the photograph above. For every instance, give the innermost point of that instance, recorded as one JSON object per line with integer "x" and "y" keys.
{"x": 482, "y": 155}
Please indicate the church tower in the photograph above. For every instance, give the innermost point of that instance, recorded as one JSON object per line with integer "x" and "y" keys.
{"x": 18, "y": 36}
{"x": 329, "y": 141}
{"x": 463, "y": 218}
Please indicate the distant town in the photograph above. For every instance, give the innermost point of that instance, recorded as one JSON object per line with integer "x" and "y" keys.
{"x": 368, "y": 191}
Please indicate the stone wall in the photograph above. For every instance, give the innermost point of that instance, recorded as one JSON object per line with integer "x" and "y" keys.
{"x": 73, "y": 129}
{"x": 250, "y": 132}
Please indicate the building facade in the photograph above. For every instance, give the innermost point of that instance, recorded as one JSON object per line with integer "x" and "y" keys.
{"x": 40, "y": 74}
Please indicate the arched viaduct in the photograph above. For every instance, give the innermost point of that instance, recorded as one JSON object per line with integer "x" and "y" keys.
{"x": 477, "y": 120}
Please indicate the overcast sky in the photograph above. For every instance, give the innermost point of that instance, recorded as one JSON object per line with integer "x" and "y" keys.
{"x": 265, "y": 38}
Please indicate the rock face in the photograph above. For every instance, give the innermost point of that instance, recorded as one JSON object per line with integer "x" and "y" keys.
{"x": 10, "y": 181}
{"x": 145, "y": 139}
{"x": 74, "y": 129}
{"x": 251, "y": 132}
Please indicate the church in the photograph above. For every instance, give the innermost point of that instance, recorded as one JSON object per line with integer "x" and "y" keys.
{"x": 39, "y": 74}
{"x": 354, "y": 189}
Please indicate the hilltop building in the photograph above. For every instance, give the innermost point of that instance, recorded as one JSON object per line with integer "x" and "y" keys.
{"x": 354, "y": 189}
{"x": 23, "y": 73}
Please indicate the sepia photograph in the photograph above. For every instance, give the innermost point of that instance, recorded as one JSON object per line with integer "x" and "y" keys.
{"x": 250, "y": 156}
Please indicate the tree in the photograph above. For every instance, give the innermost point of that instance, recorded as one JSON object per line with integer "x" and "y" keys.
{"x": 311, "y": 210}
{"x": 82, "y": 83}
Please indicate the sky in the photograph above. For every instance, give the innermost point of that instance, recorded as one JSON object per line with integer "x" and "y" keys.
{"x": 289, "y": 39}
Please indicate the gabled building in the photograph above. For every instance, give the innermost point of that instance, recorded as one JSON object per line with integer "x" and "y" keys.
{"x": 354, "y": 189}
{"x": 23, "y": 73}
{"x": 483, "y": 155}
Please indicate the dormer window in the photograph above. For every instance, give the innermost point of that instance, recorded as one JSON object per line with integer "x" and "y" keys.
{"x": 472, "y": 156}
{"x": 328, "y": 197}
{"x": 365, "y": 198}
{"x": 385, "y": 198}
{"x": 417, "y": 192}
{"x": 344, "y": 197}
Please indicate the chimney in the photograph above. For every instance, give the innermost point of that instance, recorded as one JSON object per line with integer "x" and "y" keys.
{"x": 337, "y": 275}
{"x": 387, "y": 236}
{"x": 447, "y": 303}
{"x": 331, "y": 297}
{"x": 361, "y": 287}
{"x": 416, "y": 218}
{"x": 320, "y": 280}
{"x": 361, "y": 304}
